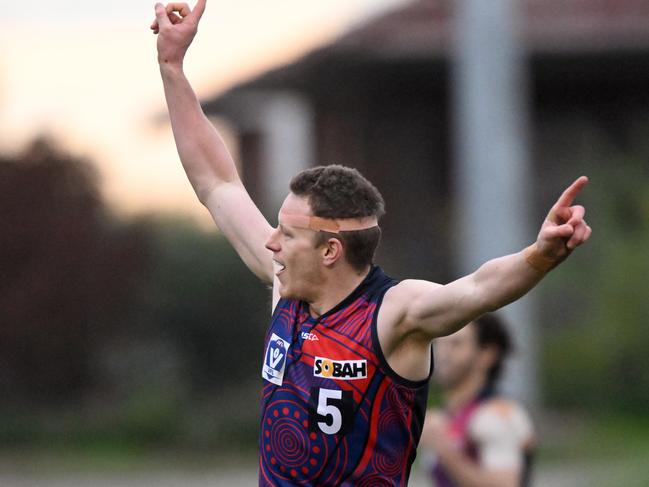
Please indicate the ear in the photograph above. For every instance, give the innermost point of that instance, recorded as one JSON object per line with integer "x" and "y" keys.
{"x": 332, "y": 251}
{"x": 488, "y": 356}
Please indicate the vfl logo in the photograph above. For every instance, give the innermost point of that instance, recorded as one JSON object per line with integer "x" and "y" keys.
{"x": 339, "y": 369}
{"x": 275, "y": 360}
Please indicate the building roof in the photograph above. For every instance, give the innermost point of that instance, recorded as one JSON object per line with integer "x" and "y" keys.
{"x": 423, "y": 31}
{"x": 425, "y": 28}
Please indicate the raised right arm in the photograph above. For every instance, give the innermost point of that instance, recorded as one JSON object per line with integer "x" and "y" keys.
{"x": 204, "y": 156}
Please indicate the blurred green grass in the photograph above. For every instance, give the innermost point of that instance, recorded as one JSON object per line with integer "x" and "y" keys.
{"x": 144, "y": 432}
{"x": 611, "y": 450}
{"x": 597, "y": 450}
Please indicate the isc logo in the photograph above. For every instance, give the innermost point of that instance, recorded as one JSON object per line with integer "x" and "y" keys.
{"x": 339, "y": 369}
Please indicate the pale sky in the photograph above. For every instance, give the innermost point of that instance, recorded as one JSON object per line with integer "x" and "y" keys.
{"x": 86, "y": 73}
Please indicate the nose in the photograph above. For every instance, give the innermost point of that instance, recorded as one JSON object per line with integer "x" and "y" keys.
{"x": 272, "y": 243}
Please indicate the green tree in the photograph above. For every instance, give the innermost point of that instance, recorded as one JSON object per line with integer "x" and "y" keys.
{"x": 596, "y": 346}
{"x": 67, "y": 274}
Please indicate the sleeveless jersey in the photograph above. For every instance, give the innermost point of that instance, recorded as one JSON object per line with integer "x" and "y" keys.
{"x": 333, "y": 412}
{"x": 459, "y": 429}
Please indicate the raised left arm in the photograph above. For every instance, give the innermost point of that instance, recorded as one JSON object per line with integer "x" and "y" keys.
{"x": 436, "y": 310}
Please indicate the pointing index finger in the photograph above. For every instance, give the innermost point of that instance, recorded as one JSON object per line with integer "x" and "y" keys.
{"x": 199, "y": 8}
{"x": 569, "y": 194}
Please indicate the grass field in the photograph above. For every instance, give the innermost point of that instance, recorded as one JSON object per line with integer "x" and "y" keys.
{"x": 575, "y": 452}
{"x": 607, "y": 451}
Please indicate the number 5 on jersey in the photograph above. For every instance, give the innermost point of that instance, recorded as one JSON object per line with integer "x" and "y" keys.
{"x": 331, "y": 411}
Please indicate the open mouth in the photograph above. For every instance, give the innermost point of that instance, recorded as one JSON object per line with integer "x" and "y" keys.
{"x": 280, "y": 267}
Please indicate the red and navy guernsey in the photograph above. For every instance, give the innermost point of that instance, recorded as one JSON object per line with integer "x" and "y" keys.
{"x": 333, "y": 412}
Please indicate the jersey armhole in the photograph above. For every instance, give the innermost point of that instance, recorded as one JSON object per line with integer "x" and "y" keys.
{"x": 383, "y": 363}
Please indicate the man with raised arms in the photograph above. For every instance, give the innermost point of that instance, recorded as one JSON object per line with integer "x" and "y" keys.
{"x": 347, "y": 356}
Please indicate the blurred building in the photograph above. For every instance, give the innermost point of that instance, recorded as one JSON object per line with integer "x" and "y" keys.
{"x": 378, "y": 99}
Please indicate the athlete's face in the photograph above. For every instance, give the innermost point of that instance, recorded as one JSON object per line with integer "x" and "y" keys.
{"x": 457, "y": 356}
{"x": 298, "y": 262}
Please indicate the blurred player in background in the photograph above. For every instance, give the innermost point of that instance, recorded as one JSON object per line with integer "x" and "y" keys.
{"x": 480, "y": 438}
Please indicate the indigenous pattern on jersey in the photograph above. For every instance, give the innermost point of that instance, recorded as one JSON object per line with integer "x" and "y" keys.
{"x": 333, "y": 412}
{"x": 459, "y": 430}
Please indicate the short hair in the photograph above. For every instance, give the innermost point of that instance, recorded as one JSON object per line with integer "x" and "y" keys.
{"x": 342, "y": 192}
{"x": 491, "y": 331}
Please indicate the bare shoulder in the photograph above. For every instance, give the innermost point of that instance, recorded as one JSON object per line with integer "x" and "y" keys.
{"x": 406, "y": 290}
{"x": 399, "y": 300}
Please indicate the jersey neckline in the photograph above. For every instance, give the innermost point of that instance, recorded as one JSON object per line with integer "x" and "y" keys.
{"x": 364, "y": 286}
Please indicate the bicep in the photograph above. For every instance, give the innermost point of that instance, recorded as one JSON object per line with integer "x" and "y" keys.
{"x": 443, "y": 310}
{"x": 243, "y": 225}
{"x": 438, "y": 310}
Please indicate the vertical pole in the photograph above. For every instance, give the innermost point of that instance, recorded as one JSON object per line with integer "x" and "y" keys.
{"x": 287, "y": 125}
{"x": 492, "y": 167}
